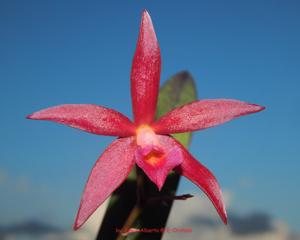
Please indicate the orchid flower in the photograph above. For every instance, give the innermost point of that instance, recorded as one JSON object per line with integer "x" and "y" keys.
{"x": 146, "y": 142}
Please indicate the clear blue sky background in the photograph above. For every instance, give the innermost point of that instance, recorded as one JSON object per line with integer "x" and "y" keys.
{"x": 55, "y": 52}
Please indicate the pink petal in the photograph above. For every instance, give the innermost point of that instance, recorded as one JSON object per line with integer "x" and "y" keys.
{"x": 110, "y": 170}
{"x": 145, "y": 73}
{"x": 203, "y": 114}
{"x": 88, "y": 117}
{"x": 172, "y": 157}
{"x": 204, "y": 179}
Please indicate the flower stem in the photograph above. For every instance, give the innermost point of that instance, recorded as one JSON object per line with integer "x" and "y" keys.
{"x": 135, "y": 213}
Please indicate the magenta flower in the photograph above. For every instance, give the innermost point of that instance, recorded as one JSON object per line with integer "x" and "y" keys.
{"x": 146, "y": 142}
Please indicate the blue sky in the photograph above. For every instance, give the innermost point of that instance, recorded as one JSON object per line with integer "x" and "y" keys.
{"x": 55, "y": 52}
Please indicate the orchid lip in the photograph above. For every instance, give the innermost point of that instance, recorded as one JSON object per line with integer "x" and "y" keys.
{"x": 155, "y": 155}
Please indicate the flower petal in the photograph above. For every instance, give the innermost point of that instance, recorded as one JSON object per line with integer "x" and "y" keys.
{"x": 158, "y": 169}
{"x": 203, "y": 114}
{"x": 145, "y": 73}
{"x": 110, "y": 170}
{"x": 204, "y": 179}
{"x": 88, "y": 117}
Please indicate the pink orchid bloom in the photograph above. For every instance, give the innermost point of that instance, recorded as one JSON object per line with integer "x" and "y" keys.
{"x": 146, "y": 142}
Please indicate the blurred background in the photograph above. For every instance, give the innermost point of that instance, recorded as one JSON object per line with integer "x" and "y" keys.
{"x": 56, "y": 52}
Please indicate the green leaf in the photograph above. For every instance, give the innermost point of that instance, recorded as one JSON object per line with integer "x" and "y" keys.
{"x": 177, "y": 91}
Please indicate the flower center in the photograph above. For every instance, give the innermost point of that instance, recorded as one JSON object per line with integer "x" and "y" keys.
{"x": 145, "y": 136}
{"x": 148, "y": 144}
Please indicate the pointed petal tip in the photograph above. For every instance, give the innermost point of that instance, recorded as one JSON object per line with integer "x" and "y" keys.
{"x": 254, "y": 108}
{"x": 258, "y": 108}
{"x": 221, "y": 209}
{"x": 78, "y": 223}
{"x": 145, "y": 13}
{"x": 224, "y": 216}
{"x": 146, "y": 16}
{"x": 159, "y": 185}
{"x": 33, "y": 116}
{"x": 30, "y": 116}
{"x": 76, "y": 226}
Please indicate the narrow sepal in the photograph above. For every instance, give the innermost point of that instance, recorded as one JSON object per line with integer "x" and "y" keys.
{"x": 88, "y": 117}
{"x": 204, "y": 179}
{"x": 145, "y": 73}
{"x": 109, "y": 171}
{"x": 203, "y": 114}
